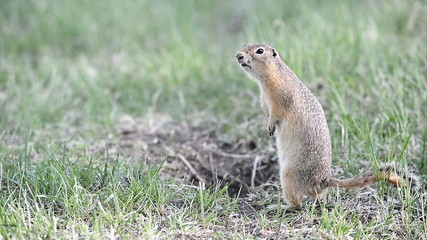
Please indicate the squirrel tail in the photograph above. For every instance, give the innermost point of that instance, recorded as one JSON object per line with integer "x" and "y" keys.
{"x": 386, "y": 173}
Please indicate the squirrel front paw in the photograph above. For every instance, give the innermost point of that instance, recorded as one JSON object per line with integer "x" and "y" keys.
{"x": 271, "y": 129}
{"x": 272, "y": 124}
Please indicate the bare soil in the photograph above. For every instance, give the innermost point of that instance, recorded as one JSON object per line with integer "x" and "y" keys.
{"x": 195, "y": 151}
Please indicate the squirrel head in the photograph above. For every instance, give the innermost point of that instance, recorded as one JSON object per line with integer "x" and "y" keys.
{"x": 258, "y": 59}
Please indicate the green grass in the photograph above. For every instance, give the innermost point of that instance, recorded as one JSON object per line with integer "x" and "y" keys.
{"x": 70, "y": 69}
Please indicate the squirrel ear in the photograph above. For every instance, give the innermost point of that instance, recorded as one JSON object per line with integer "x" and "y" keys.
{"x": 274, "y": 52}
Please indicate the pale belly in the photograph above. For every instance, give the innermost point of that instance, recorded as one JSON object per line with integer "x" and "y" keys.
{"x": 288, "y": 148}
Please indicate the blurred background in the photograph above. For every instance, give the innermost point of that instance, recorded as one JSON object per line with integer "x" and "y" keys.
{"x": 82, "y": 83}
{"x": 83, "y": 64}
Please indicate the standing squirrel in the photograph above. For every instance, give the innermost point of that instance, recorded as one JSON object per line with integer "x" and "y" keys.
{"x": 298, "y": 122}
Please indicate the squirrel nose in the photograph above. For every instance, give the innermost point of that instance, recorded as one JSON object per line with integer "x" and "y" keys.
{"x": 239, "y": 56}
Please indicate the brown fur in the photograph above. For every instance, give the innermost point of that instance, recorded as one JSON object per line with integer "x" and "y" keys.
{"x": 297, "y": 120}
{"x": 386, "y": 174}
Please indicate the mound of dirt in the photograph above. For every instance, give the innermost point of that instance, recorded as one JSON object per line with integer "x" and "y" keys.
{"x": 196, "y": 151}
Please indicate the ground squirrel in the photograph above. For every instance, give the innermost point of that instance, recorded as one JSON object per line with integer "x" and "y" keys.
{"x": 298, "y": 122}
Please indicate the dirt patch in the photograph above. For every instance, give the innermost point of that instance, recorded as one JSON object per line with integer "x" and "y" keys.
{"x": 196, "y": 151}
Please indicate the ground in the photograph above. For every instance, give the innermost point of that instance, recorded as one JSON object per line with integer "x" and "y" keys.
{"x": 133, "y": 120}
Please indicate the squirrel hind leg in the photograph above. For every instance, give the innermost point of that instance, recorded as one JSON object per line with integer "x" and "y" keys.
{"x": 290, "y": 192}
{"x": 295, "y": 203}
{"x": 294, "y": 200}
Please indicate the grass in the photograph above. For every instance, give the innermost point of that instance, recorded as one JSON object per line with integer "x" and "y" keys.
{"x": 70, "y": 69}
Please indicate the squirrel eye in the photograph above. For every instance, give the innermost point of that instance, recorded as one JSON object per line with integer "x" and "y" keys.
{"x": 259, "y": 51}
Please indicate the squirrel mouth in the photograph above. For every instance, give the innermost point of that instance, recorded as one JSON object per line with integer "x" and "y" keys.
{"x": 245, "y": 65}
